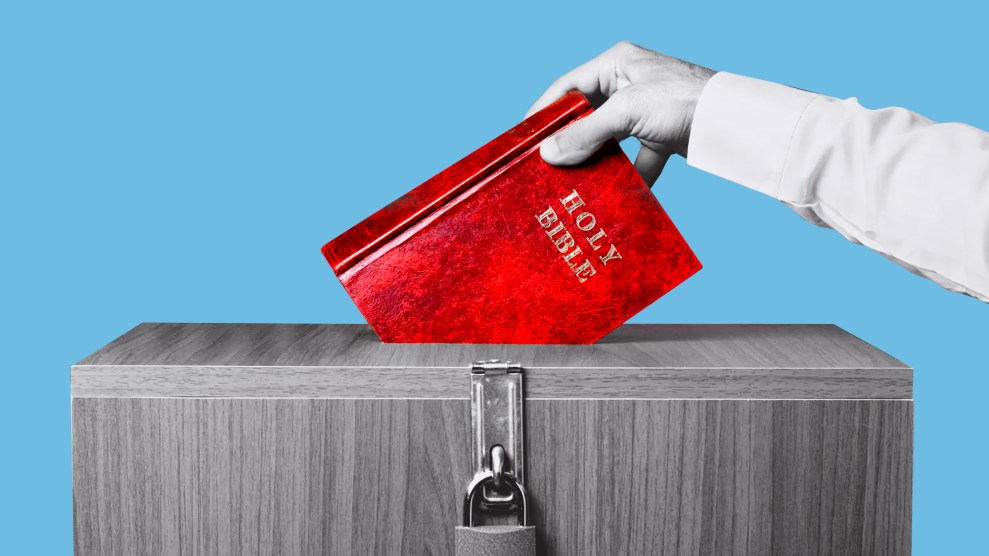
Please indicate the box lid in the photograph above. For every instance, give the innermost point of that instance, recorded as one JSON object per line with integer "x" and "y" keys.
{"x": 647, "y": 361}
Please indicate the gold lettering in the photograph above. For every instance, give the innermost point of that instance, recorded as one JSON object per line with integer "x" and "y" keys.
{"x": 572, "y": 202}
{"x": 585, "y": 216}
{"x": 612, "y": 254}
{"x": 564, "y": 242}
{"x": 596, "y": 237}
{"x": 569, "y": 257}
{"x": 584, "y": 271}
{"x": 547, "y": 218}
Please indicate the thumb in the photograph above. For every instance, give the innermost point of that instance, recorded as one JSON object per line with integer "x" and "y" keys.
{"x": 584, "y": 137}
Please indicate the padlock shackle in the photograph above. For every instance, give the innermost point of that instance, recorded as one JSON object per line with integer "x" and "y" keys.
{"x": 487, "y": 478}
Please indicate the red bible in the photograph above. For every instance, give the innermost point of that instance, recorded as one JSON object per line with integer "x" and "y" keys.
{"x": 502, "y": 247}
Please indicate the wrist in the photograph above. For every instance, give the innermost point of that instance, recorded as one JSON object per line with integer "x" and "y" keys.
{"x": 698, "y": 79}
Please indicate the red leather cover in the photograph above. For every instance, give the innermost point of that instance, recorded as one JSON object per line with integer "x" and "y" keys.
{"x": 502, "y": 247}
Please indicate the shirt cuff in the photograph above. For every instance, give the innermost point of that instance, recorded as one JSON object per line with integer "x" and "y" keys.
{"x": 742, "y": 130}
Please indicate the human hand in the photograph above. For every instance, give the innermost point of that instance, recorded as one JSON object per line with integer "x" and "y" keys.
{"x": 640, "y": 93}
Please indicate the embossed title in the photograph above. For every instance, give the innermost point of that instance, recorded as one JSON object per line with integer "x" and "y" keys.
{"x": 575, "y": 257}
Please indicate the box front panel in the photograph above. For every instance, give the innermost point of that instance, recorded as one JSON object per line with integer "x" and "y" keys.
{"x": 385, "y": 476}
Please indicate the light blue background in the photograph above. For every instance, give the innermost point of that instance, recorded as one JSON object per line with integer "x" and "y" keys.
{"x": 184, "y": 161}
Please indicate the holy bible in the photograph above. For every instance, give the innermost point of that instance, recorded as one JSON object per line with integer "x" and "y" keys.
{"x": 502, "y": 247}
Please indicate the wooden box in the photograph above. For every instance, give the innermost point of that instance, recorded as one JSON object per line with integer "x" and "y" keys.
{"x": 279, "y": 439}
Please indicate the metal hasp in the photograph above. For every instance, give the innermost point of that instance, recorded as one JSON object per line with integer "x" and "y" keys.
{"x": 497, "y": 432}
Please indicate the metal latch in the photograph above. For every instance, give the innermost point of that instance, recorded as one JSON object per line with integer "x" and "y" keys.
{"x": 497, "y": 435}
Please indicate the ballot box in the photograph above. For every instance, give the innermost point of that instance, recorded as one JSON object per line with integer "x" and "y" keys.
{"x": 279, "y": 439}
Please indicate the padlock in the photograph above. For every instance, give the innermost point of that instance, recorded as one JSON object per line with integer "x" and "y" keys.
{"x": 496, "y": 540}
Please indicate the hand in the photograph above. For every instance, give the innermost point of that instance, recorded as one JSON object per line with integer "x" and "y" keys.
{"x": 645, "y": 94}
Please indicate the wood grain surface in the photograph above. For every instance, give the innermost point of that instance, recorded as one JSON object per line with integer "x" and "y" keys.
{"x": 637, "y": 361}
{"x": 361, "y": 476}
{"x": 667, "y": 346}
{"x": 425, "y": 383}
{"x": 317, "y": 439}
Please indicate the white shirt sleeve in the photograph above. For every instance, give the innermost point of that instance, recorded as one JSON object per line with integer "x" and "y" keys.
{"x": 911, "y": 189}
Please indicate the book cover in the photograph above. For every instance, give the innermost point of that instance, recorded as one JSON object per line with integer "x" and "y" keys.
{"x": 502, "y": 247}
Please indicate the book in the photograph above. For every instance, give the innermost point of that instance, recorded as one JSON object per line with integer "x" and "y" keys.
{"x": 502, "y": 247}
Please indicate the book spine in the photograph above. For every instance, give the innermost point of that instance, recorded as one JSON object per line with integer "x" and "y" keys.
{"x": 365, "y": 238}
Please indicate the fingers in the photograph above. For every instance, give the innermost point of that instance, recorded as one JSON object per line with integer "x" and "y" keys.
{"x": 650, "y": 163}
{"x": 585, "y": 136}
{"x": 595, "y": 78}
{"x": 585, "y": 79}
